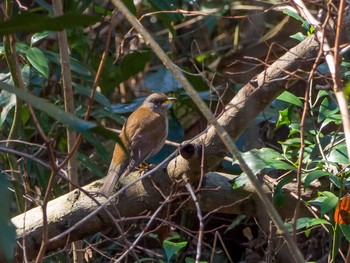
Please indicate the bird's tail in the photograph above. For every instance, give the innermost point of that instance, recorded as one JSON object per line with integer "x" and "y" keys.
{"x": 113, "y": 175}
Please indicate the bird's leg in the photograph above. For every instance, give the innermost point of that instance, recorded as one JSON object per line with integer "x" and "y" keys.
{"x": 144, "y": 167}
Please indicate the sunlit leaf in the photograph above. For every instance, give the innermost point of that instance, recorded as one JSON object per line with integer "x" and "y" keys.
{"x": 290, "y": 98}
{"x": 7, "y": 102}
{"x": 239, "y": 181}
{"x": 284, "y": 117}
{"x": 326, "y": 201}
{"x": 39, "y": 36}
{"x": 172, "y": 248}
{"x": 339, "y": 154}
{"x": 38, "y": 60}
{"x": 265, "y": 159}
{"x": 301, "y": 223}
{"x": 317, "y": 222}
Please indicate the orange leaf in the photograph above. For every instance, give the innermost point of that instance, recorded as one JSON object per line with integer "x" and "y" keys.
{"x": 342, "y": 212}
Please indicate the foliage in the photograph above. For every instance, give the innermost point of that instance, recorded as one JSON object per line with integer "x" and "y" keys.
{"x": 222, "y": 30}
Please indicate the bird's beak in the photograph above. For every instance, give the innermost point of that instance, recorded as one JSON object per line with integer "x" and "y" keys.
{"x": 169, "y": 100}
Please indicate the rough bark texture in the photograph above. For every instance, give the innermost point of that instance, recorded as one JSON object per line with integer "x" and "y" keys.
{"x": 65, "y": 211}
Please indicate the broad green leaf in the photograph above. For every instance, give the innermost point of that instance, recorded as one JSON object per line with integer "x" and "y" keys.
{"x": 314, "y": 175}
{"x": 290, "y": 98}
{"x": 326, "y": 201}
{"x": 55, "y": 112}
{"x": 7, "y": 102}
{"x": 301, "y": 223}
{"x": 7, "y": 229}
{"x": 38, "y": 60}
{"x": 239, "y": 181}
{"x": 265, "y": 159}
{"x": 305, "y": 24}
{"x": 279, "y": 198}
{"x": 335, "y": 180}
{"x": 327, "y": 109}
{"x": 299, "y": 36}
{"x": 317, "y": 222}
{"x": 131, "y": 64}
{"x": 172, "y": 248}
{"x": 345, "y": 229}
{"x": 28, "y": 22}
{"x": 339, "y": 154}
{"x": 39, "y": 36}
{"x": 284, "y": 117}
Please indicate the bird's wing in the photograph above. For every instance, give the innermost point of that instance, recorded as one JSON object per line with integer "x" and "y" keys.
{"x": 145, "y": 141}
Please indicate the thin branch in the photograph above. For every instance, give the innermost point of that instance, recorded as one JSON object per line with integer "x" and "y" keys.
{"x": 200, "y": 219}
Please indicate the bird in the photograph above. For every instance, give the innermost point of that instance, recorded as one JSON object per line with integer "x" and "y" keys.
{"x": 142, "y": 136}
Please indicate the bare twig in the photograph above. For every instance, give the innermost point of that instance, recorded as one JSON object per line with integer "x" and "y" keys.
{"x": 199, "y": 216}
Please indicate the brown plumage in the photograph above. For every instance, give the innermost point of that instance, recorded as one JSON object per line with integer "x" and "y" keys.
{"x": 142, "y": 136}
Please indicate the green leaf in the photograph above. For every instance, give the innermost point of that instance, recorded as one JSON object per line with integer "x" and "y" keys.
{"x": 345, "y": 229}
{"x": 265, "y": 159}
{"x": 297, "y": 17}
{"x": 327, "y": 109}
{"x": 326, "y": 201}
{"x": 301, "y": 223}
{"x": 279, "y": 198}
{"x": 317, "y": 222}
{"x": 339, "y": 154}
{"x": 7, "y": 102}
{"x": 131, "y": 64}
{"x": 39, "y": 36}
{"x": 299, "y": 36}
{"x": 7, "y": 229}
{"x": 239, "y": 181}
{"x": 290, "y": 98}
{"x": 314, "y": 175}
{"x": 28, "y": 22}
{"x": 172, "y": 248}
{"x": 43, "y": 105}
{"x": 284, "y": 117}
{"x": 38, "y": 60}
